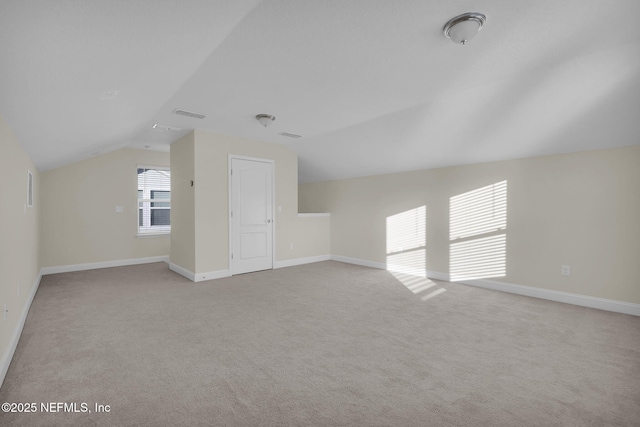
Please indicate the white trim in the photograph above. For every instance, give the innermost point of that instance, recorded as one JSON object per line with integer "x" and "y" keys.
{"x": 182, "y": 271}
{"x": 149, "y": 188}
{"x": 300, "y": 261}
{"x": 558, "y": 296}
{"x": 445, "y": 277}
{"x": 548, "y": 294}
{"x": 229, "y": 206}
{"x": 358, "y": 261}
{"x": 312, "y": 215}
{"x": 392, "y": 267}
{"x": 199, "y": 277}
{"x": 103, "y": 264}
{"x": 253, "y": 159}
{"x": 145, "y": 235}
{"x": 160, "y": 168}
{"x": 17, "y": 331}
{"x": 210, "y": 275}
{"x": 414, "y": 271}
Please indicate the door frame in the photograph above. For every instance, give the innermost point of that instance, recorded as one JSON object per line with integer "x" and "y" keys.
{"x": 230, "y": 205}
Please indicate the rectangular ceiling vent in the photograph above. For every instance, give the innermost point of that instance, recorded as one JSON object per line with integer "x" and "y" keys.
{"x": 189, "y": 114}
{"x": 290, "y": 135}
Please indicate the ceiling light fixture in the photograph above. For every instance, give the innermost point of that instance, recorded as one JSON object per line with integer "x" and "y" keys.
{"x": 464, "y": 27}
{"x": 265, "y": 119}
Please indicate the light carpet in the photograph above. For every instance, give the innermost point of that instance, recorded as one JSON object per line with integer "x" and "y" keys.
{"x": 325, "y": 344}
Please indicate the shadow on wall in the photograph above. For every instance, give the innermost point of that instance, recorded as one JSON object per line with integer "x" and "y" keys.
{"x": 478, "y": 233}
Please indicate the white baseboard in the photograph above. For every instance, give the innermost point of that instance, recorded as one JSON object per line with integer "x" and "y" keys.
{"x": 300, "y": 261}
{"x": 407, "y": 270}
{"x": 182, "y": 271}
{"x": 358, "y": 261}
{"x": 218, "y": 274}
{"x": 417, "y": 272}
{"x": 103, "y": 264}
{"x": 17, "y": 331}
{"x": 391, "y": 267}
{"x": 199, "y": 277}
{"x": 445, "y": 277}
{"x": 551, "y": 295}
{"x": 558, "y": 296}
{"x": 210, "y": 275}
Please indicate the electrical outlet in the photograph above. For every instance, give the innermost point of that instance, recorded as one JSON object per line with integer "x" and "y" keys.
{"x": 565, "y": 270}
{"x": 290, "y": 246}
{"x": 5, "y": 310}
{"x": 18, "y": 288}
{"x": 119, "y": 209}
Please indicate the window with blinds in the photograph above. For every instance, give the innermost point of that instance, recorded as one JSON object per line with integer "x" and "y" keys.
{"x": 154, "y": 200}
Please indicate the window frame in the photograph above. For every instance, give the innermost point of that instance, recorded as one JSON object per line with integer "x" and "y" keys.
{"x": 146, "y": 204}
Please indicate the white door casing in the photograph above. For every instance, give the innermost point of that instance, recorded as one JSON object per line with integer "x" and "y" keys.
{"x": 251, "y": 215}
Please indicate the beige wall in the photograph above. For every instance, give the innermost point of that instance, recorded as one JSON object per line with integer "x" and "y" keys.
{"x": 579, "y": 209}
{"x": 79, "y": 222}
{"x": 310, "y": 237}
{"x": 183, "y": 216}
{"x": 209, "y": 169}
{"x": 19, "y": 235}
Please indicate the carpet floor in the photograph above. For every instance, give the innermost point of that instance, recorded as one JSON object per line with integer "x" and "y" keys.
{"x": 325, "y": 344}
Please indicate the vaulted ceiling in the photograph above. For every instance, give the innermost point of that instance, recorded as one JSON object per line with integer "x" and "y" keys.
{"x": 371, "y": 85}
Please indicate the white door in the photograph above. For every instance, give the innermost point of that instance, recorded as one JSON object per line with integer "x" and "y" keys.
{"x": 251, "y": 216}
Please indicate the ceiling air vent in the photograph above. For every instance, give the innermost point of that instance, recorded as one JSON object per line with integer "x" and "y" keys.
{"x": 189, "y": 114}
{"x": 290, "y": 135}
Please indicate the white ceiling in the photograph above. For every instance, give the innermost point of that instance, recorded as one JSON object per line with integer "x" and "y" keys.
{"x": 373, "y": 86}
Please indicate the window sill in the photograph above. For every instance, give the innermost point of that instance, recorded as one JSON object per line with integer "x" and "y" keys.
{"x": 160, "y": 234}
